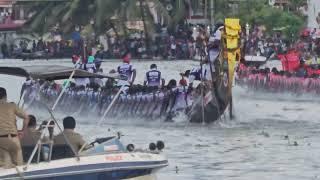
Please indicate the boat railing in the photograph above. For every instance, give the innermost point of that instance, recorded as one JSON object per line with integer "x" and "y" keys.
{"x": 37, "y": 149}
{"x": 38, "y": 146}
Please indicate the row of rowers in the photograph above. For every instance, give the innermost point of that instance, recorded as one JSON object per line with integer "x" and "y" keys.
{"x": 126, "y": 70}
{"x": 12, "y": 141}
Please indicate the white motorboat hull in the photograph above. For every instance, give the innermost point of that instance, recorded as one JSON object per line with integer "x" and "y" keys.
{"x": 108, "y": 166}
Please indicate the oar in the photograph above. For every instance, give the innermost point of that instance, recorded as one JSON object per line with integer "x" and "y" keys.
{"x": 202, "y": 93}
{"x": 63, "y": 90}
{"x": 110, "y": 105}
{"x": 231, "y": 108}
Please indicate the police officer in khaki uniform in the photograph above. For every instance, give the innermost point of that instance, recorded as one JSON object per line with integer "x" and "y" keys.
{"x": 10, "y": 148}
{"x": 75, "y": 139}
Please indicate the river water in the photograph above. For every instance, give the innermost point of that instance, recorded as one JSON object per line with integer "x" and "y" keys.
{"x": 258, "y": 144}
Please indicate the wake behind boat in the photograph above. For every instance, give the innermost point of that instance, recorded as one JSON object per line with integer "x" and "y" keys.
{"x": 206, "y": 103}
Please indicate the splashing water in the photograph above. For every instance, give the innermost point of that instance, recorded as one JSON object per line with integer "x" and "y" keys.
{"x": 258, "y": 144}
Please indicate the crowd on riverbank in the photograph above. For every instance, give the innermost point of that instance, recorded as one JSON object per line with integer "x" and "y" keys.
{"x": 307, "y": 45}
{"x": 185, "y": 42}
{"x": 260, "y": 44}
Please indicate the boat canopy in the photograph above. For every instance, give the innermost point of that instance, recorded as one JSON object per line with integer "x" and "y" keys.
{"x": 51, "y": 72}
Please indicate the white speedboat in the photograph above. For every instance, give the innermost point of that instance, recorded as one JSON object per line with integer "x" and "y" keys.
{"x": 107, "y": 158}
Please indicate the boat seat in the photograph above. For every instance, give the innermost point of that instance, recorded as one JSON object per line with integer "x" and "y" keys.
{"x": 27, "y": 151}
{"x": 60, "y": 151}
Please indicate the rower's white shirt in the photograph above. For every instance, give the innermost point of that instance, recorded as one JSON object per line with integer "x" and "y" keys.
{"x": 192, "y": 78}
{"x": 173, "y": 46}
{"x": 28, "y": 82}
{"x": 213, "y": 54}
{"x": 217, "y": 35}
{"x": 123, "y": 82}
{"x": 145, "y": 77}
{"x": 149, "y": 97}
{"x": 82, "y": 81}
{"x": 99, "y": 81}
{"x": 160, "y": 95}
{"x": 206, "y": 72}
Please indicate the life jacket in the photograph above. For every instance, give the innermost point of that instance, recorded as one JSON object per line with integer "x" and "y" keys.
{"x": 153, "y": 78}
{"x": 125, "y": 70}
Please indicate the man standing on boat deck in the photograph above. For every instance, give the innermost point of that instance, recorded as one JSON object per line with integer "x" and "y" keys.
{"x": 153, "y": 77}
{"x": 213, "y": 50}
{"x": 75, "y": 139}
{"x": 10, "y": 148}
{"x": 126, "y": 71}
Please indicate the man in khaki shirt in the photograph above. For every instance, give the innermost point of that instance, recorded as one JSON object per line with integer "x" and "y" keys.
{"x": 31, "y": 135}
{"x": 10, "y": 148}
{"x": 75, "y": 139}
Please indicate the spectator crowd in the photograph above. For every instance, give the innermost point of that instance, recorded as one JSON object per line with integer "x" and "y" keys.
{"x": 257, "y": 43}
{"x": 186, "y": 42}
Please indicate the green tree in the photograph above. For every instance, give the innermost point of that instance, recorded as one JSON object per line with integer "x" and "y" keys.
{"x": 258, "y": 12}
{"x": 296, "y": 4}
{"x": 79, "y": 12}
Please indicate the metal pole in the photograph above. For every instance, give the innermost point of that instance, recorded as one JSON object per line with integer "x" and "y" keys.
{"x": 212, "y": 12}
{"x": 206, "y": 10}
{"x": 47, "y": 125}
{"x": 202, "y": 93}
{"x": 65, "y": 87}
{"x": 110, "y": 105}
{"x": 62, "y": 92}
{"x": 36, "y": 148}
{"x": 22, "y": 96}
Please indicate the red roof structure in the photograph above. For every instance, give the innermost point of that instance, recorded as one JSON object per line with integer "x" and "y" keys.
{"x": 10, "y": 26}
{"x": 8, "y": 23}
{"x": 6, "y": 3}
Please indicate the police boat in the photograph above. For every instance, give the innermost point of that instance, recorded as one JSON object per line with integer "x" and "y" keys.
{"x": 104, "y": 158}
